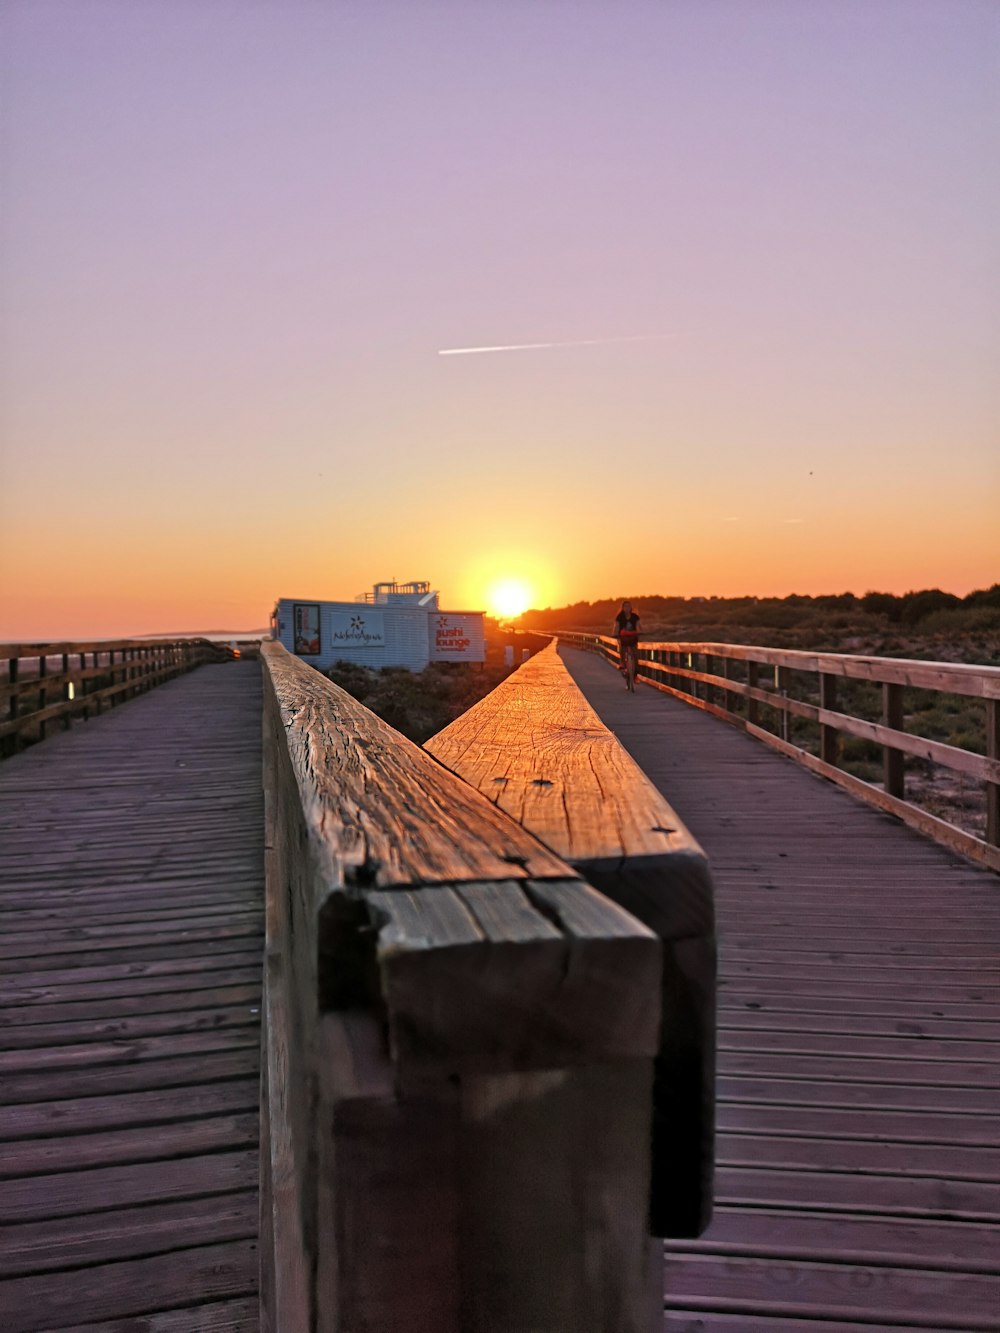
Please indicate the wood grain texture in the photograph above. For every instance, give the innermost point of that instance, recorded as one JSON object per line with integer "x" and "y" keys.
{"x": 401, "y": 904}
{"x": 857, "y": 1177}
{"x": 477, "y": 979}
{"x": 377, "y": 812}
{"x": 538, "y": 750}
{"x": 129, "y": 1013}
{"x": 390, "y": 1197}
{"x": 533, "y": 1146}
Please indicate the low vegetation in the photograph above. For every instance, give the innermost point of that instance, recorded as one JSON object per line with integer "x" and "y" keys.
{"x": 419, "y": 704}
{"x": 929, "y": 624}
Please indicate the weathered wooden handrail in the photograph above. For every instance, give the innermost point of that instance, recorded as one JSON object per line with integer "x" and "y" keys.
{"x": 689, "y": 671}
{"x": 537, "y": 749}
{"x": 458, "y": 1047}
{"x": 36, "y": 690}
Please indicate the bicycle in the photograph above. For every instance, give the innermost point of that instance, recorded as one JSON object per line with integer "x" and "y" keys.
{"x": 629, "y": 649}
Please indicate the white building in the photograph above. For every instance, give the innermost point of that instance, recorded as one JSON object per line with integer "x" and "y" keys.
{"x": 396, "y": 624}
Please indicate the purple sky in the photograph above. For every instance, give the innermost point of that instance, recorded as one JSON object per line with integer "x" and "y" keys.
{"x": 235, "y": 236}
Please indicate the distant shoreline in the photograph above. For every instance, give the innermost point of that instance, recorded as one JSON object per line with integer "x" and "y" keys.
{"x": 223, "y": 634}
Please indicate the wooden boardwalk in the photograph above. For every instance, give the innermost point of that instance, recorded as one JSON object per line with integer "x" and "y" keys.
{"x": 131, "y": 897}
{"x": 858, "y": 1180}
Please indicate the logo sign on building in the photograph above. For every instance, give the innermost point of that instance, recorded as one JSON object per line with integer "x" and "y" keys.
{"x": 305, "y": 628}
{"x": 456, "y": 638}
{"x": 357, "y": 629}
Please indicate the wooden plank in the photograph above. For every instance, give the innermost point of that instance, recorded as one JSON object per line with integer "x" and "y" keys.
{"x": 148, "y": 1107}
{"x": 237, "y": 1316}
{"x": 387, "y": 1168}
{"x": 35, "y": 1036}
{"x": 537, "y": 749}
{"x": 425, "y": 828}
{"x": 947, "y": 1161}
{"x": 284, "y": 1281}
{"x": 557, "y": 1239}
{"x": 126, "y": 972}
{"x": 64, "y": 1193}
{"x": 31, "y": 1008}
{"x": 157, "y": 1144}
{"x": 846, "y": 1291}
{"x": 834, "y": 1191}
{"x": 132, "y": 1286}
{"x": 681, "y": 1320}
{"x": 827, "y": 1237}
{"x": 205, "y": 1066}
{"x": 480, "y": 980}
{"x": 128, "y": 1051}
{"x": 917, "y": 1026}
{"x": 126, "y": 1233}
{"x": 861, "y": 1046}
{"x": 894, "y": 1127}
{"x": 840, "y": 1092}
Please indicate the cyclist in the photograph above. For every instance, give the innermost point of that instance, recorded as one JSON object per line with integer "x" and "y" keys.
{"x": 626, "y": 631}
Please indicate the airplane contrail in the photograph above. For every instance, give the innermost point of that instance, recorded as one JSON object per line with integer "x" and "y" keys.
{"x": 531, "y": 347}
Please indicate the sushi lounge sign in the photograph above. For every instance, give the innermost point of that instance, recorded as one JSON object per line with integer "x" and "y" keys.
{"x": 451, "y": 636}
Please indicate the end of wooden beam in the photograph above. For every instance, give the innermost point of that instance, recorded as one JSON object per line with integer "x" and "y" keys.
{"x": 511, "y": 976}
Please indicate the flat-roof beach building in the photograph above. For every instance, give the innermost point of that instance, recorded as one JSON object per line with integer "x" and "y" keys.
{"x": 396, "y": 624}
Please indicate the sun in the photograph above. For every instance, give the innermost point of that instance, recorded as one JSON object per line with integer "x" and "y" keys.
{"x": 508, "y": 598}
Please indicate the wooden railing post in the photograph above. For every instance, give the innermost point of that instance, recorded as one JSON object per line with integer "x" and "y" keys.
{"x": 753, "y": 707}
{"x": 458, "y": 1053}
{"x": 727, "y": 695}
{"x": 13, "y": 667}
{"x": 892, "y": 759}
{"x": 43, "y": 665}
{"x": 709, "y": 671}
{"x": 993, "y": 787}
{"x": 782, "y": 679}
{"x": 67, "y": 691}
{"x": 829, "y": 737}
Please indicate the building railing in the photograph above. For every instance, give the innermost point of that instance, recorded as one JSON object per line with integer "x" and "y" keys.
{"x": 458, "y": 1043}
{"x": 42, "y": 683}
{"x": 809, "y": 705}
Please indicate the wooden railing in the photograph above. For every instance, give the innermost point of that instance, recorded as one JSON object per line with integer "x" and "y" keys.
{"x": 780, "y": 696}
{"x": 537, "y": 749}
{"x": 458, "y": 1046}
{"x": 56, "y": 682}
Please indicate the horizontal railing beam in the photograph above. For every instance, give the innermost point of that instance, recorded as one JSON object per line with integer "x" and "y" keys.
{"x": 537, "y": 749}
{"x": 29, "y": 700}
{"x": 891, "y": 674}
{"x": 459, "y": 1051}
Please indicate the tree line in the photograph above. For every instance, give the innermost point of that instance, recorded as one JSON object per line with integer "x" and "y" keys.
{"x": 907, "y": 609}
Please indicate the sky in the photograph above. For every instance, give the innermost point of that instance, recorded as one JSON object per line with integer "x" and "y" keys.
{"x": 759, "y": 236}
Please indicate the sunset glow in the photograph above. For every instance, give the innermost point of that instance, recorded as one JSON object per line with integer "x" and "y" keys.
{"x": 509, "y": 599}
{"x": 725, "y": 326}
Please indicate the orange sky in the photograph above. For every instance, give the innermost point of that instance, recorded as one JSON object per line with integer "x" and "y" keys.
{"x": 219, "y": 370}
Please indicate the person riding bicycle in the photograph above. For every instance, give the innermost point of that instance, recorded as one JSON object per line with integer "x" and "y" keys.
{"x": 626, "y": 631}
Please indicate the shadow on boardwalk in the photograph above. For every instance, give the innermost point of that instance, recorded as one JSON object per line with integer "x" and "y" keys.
{"x": 131, "y": 897}
{"x": 858, "y": 1181}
